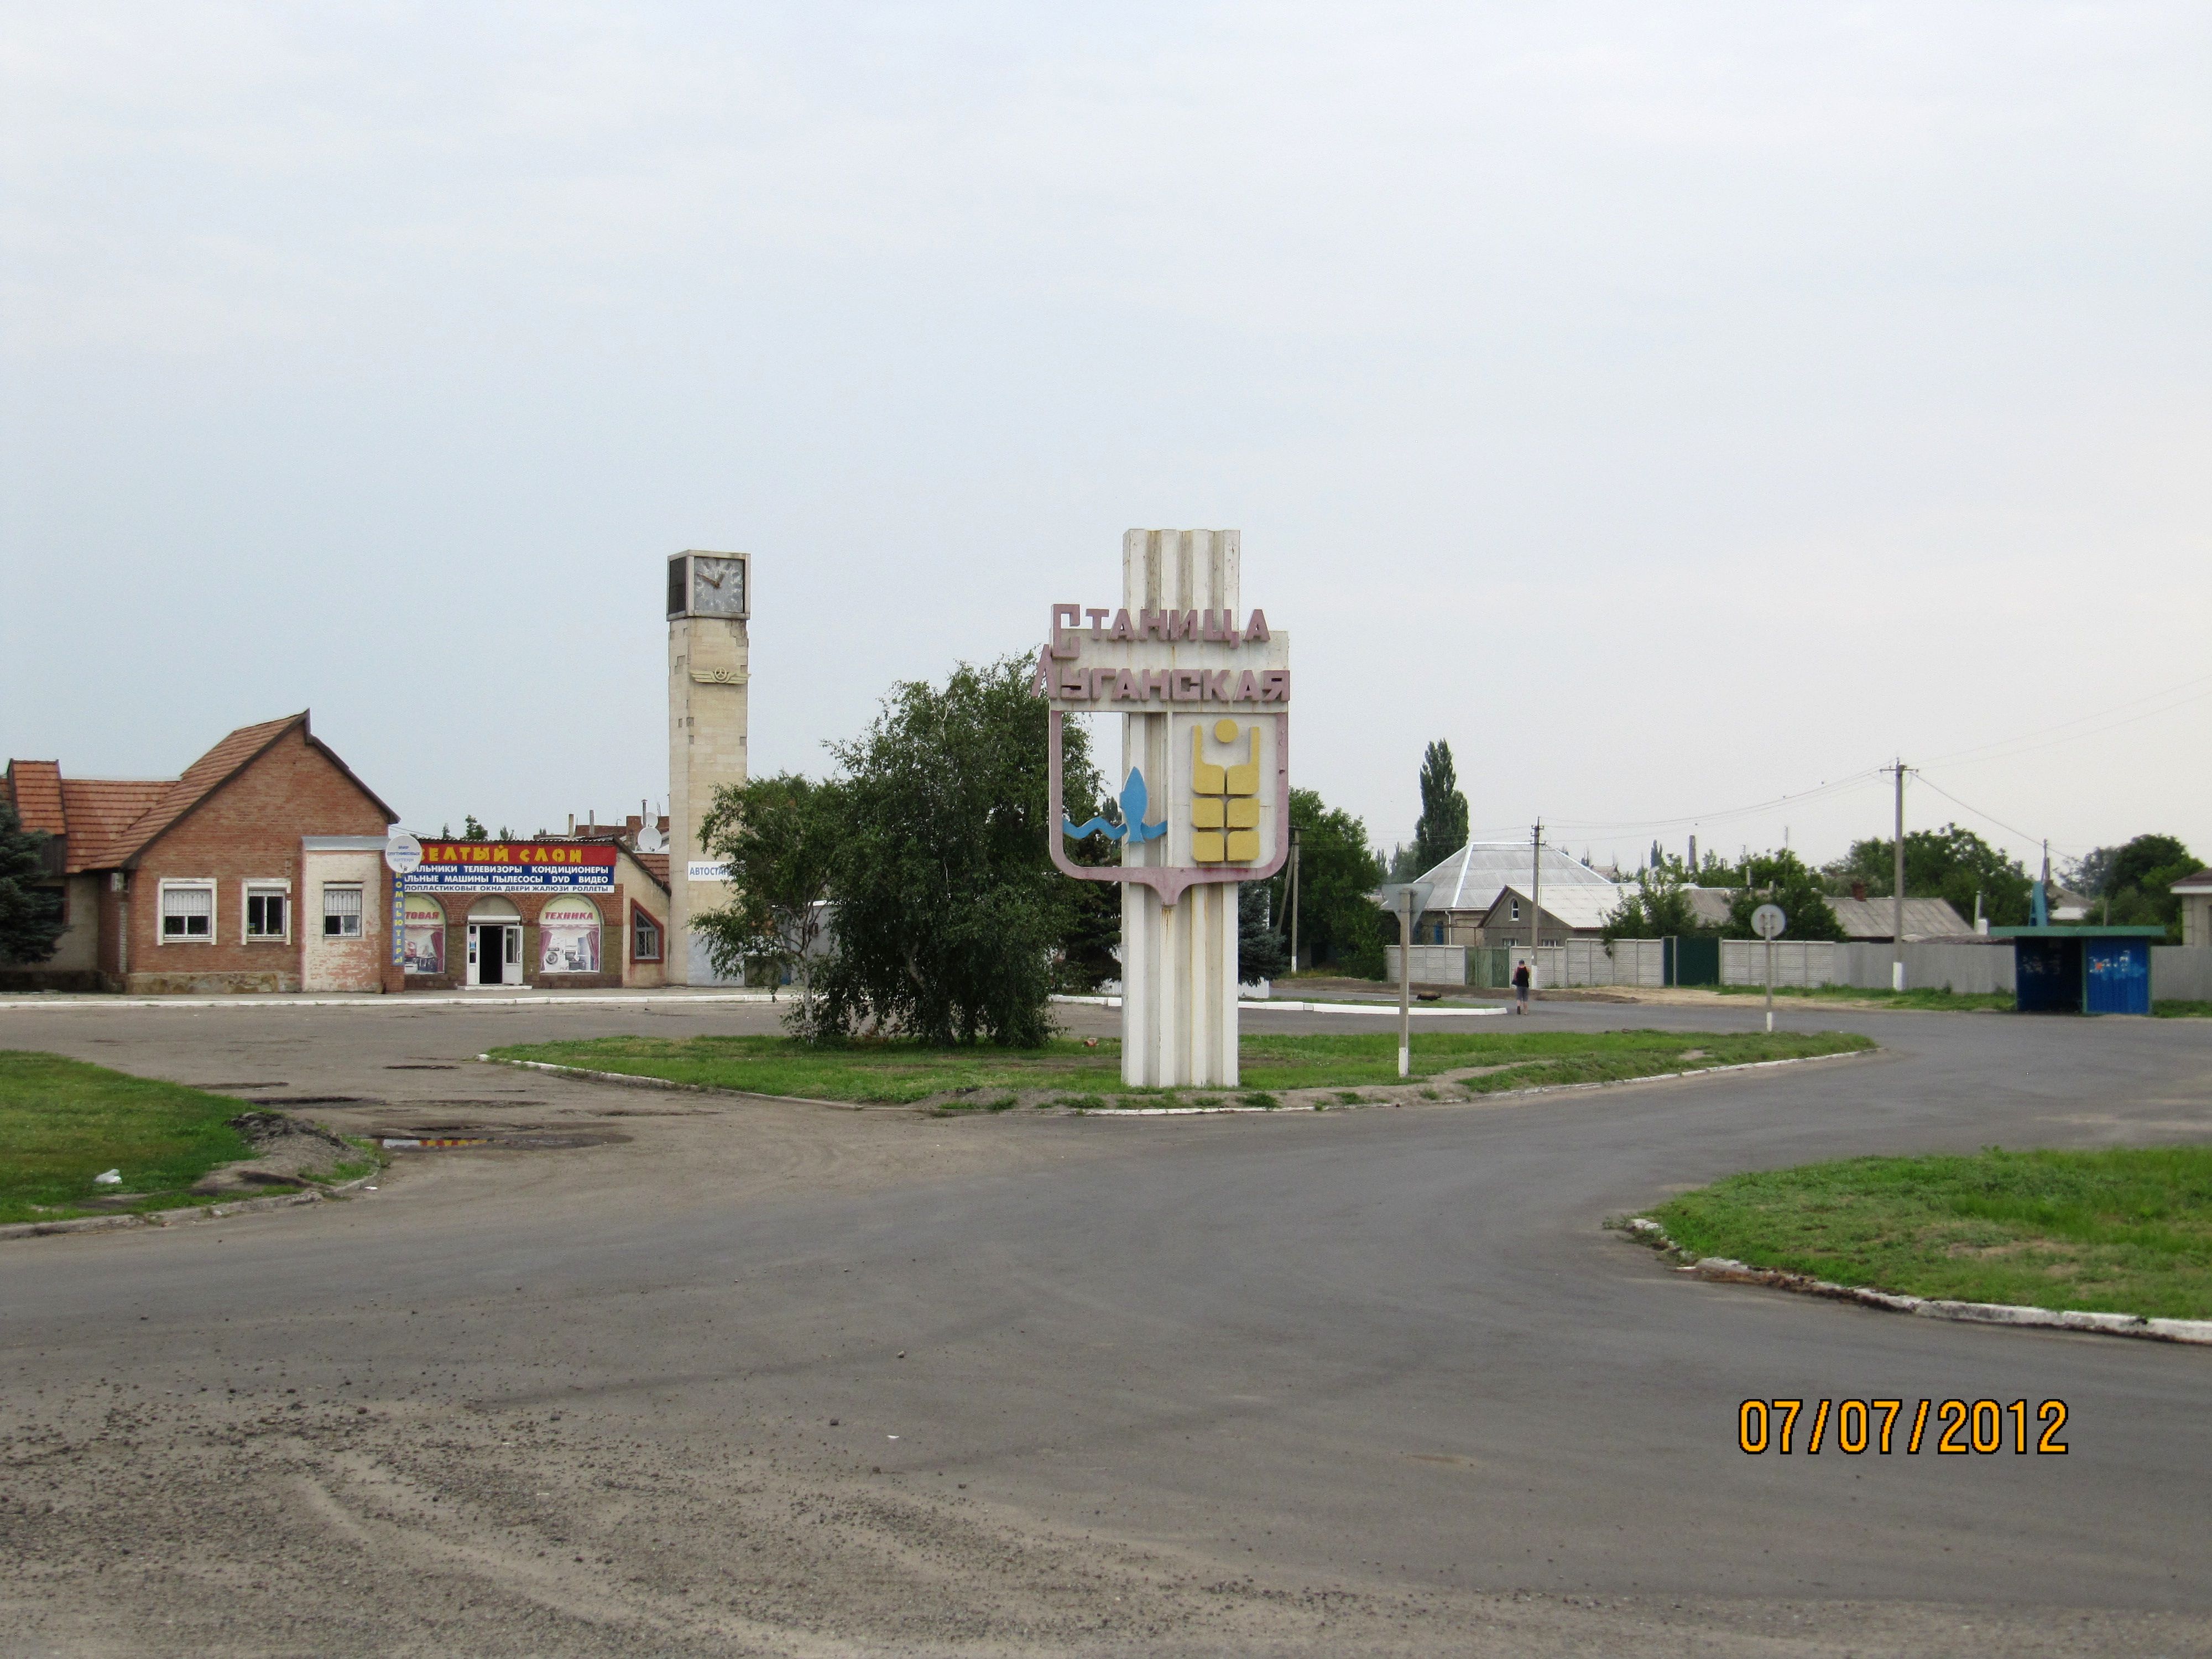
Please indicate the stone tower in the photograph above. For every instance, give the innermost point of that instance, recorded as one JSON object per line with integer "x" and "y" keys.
{"x": 710, "y": 603}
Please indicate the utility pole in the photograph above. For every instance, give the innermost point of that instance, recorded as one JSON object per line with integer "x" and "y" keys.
{"x": 1897, "y": 893}
{"x": 1535, "y": 898}
{"x": 1405, "y": 981}
{"x": 1294, "y": 898}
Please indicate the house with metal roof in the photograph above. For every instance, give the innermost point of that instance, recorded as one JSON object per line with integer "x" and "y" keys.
{"x": 1465, "y": 887}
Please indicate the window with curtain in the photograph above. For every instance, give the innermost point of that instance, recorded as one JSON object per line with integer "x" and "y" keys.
{"x": 341, "y": 913}
{"x": 188, "y": 912}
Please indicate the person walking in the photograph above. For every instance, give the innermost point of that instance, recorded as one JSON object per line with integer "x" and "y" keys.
{"x": 1521, "y": 977}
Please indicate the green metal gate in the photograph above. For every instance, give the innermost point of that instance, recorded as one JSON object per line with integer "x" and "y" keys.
{"x": 1693, "y": 962}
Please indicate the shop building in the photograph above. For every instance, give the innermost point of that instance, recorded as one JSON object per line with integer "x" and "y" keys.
{"x": 258, "y": 869}
{"x": 580, "y": 914}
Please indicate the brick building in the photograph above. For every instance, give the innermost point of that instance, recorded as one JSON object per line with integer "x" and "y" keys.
{"x": 262, "y": 868}
{"x": 259, "y": 869}
{"x": 578, "y": 913}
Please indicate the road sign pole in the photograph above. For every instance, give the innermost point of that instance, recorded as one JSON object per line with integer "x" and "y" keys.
{"x": 1404, "y": 981}
{"x": 1768, "y": 921}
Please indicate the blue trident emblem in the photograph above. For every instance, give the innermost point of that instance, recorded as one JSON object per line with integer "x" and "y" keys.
{"x": 1135, "y": 801}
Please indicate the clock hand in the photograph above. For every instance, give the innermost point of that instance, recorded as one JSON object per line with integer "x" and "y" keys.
{"x": 710, "y": 579}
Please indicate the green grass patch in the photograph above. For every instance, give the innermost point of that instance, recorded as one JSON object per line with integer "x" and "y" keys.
{"x": 903, "y": 1072}
{"x": 63, "y": 1121}
{"x": 894, "y": 1073}
{"x": 2121, "y": 1230}
{"x": 2179, "y": 1008}
{"x": 1930, "y": 998}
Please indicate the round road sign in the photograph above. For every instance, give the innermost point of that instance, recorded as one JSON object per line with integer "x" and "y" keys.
{"x": 1768, "y": 921}
{"x": 403, "y": 854}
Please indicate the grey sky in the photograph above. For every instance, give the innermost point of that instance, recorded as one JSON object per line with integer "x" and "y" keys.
{"x": 1674, "y": 407}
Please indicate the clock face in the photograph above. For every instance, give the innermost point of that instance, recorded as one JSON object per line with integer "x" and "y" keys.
{"x": 718, "y": 586}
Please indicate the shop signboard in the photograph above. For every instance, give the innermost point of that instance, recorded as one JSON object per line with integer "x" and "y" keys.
{"x": 505, "y": 867}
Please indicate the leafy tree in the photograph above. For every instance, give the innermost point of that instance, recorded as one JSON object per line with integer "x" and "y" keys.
{"x": 1949, "y": 863}
{"x": 1658, "y": 908}
{"x": 952, "y": 923}
{"x": 1783, "y": 878}
{"x": 30, "y": 910}
{"x": 780, "y": 838}
{"x": 471, "y": 830}
{"x": 2132, "y": 883}
{"x": 1442, "y": 829}
{"x": 1338, "y": 922}
{"x": 1091, "y": 944}
{"x": 1262, "y": 951}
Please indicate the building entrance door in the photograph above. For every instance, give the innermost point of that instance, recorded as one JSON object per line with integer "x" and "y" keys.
{"x": 495, "y": 953}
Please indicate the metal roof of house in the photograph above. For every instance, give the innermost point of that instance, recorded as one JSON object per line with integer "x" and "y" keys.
{"x": 1924, "y": 918}
{"x": 2199, "y": 883}
{"x": 1473, "y": 878}
{"x": 1570, "y": 906}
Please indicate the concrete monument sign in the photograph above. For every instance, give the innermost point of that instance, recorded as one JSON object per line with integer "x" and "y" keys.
{"x": 1203, "y": 687}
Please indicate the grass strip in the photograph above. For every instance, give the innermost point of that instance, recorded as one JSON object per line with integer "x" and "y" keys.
{"x": 1933, "y": 997}
{"x": 2119, "y": 1231}
{"x": 897, "y": 1073}
{"x": 2181, "y": 1008}
{"x": 63, "y": 1121}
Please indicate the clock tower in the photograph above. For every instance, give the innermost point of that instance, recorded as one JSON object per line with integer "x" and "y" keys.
{"x": 709, "y": 603}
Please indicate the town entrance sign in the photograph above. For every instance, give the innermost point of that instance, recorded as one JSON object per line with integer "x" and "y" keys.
{"x": 1203, "y": 688}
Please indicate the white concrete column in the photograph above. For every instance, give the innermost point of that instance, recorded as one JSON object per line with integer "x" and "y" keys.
{"x": 1178, "y": 962}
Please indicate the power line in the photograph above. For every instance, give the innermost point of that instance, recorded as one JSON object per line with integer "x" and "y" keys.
{"x": 2168, "y": 699}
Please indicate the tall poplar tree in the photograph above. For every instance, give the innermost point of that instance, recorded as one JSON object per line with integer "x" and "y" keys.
{"x": 1441, "y": 830}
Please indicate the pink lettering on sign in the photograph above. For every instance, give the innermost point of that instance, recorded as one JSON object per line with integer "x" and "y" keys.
{"x": 1097, "y": 622}
{"x": 1275, "y": 685}
{"x": 1182, "y": 624}
{"x": 1189, "y": 685}
{"x": 1255, "y": 631}
{"x": 1158, "y": 679}
{"x": 1126, "y": 689}
{"x": 1122, "y": 628}
{"x": 1065, "y": 619}
{"x": 1073, "y": 684}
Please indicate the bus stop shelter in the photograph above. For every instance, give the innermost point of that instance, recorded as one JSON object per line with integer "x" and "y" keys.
{"x": 2080, "y": 971}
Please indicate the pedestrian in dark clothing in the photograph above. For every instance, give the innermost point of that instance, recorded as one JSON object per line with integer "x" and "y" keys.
{"x": 1521, "y": 977}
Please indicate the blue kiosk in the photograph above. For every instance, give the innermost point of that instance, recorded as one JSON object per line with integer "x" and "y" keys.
{"x": 2080, "y": 971}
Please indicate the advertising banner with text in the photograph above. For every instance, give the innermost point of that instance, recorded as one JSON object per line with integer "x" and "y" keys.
{"x": 509, "y": 866}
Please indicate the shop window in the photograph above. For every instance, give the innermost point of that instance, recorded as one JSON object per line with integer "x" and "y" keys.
{"x": 644, "y": 936}
{"x": 267, "y": 907}
{"x": 423, "y": 935}
{"x": 341, "y": 913}
{"x": 188, "y": 913}
{"x": 569, "y": 937}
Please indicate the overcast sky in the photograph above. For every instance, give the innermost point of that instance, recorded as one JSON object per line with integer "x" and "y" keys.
{"x": 1675, "y": 407}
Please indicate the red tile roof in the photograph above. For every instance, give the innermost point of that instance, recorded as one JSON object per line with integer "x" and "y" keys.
{"x": 34, "y": 789}
{"x": 109, "y": 821}
{"x": 656, "y": 865}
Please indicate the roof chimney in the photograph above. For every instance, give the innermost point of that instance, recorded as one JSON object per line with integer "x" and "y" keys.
{"x": 1858, "y": 890}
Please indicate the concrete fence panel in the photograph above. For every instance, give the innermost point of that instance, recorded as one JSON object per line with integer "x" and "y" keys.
{"x": 1796, "y": 961}
{"x": 1433, "y": 964}
{"x": 2181, "y": 973}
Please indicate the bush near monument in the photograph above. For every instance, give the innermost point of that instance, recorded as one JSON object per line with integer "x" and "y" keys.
{"x": 2132, "y": 885}
{"x": 2121, "y": 1230}
{"x": 951, "y": 924}
{"x": 779, "y": 838}
{"x": 1338, "y": 922}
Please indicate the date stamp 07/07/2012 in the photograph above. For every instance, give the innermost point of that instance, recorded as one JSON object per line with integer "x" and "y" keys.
{"x": 1960, "y": 1427}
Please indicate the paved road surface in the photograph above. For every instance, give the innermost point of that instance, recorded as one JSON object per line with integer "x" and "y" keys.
{"x": 768, "y": 1378}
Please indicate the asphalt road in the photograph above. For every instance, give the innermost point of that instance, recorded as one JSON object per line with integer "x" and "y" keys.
{"x": 748, "y": 1378}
